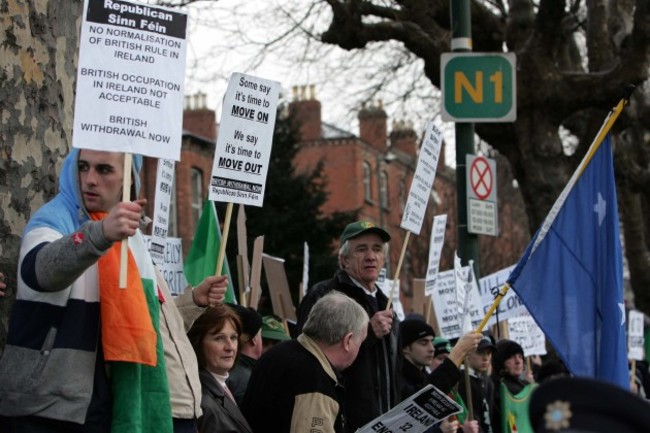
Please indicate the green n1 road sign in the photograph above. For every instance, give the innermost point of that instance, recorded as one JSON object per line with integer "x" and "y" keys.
{"x": 479, "y": 87}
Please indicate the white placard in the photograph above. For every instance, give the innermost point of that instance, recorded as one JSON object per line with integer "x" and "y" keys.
{"x": 524, "y": 330}
{"x": 241, "y": 158}
{"x": 305, "y": 268}
{"x": 425, "y": 172}
{"x": 472, "y": 316}
{"x": 635, "y": 336}
{"x": 385, "y": 285}
{"x": 172, "y": 265}
{"x": 510, "y": 305}
{"x": 164, "y": 183}
{"x": 445, "y": 305}
{"x": 130, "y": 79}
{"x": 460, "y": 277}
{"x": 435, "y": 249}
{"x": 416, "y": 414}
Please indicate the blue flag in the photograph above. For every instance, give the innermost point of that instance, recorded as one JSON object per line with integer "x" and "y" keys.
{"x": 571, "y": 275}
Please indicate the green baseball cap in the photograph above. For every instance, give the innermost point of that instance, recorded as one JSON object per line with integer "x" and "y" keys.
{"x": 357, "y": 228}
{"x": 441, "y": 345}
{"x": 272, "y": 329}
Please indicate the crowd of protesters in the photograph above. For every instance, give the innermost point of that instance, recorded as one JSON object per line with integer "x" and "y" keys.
{"x": 85, "y": 355}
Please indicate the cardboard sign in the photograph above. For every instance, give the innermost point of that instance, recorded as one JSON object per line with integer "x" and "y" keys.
{"x": 276, "y": 277}
{"x": 425, "y": 172}
{"x": 242, "y": 247}
{"x": 524, "y": 330}
{"x": 635, "y": 338}
{"x": 171, "y": 266}
{"x": 243, "y": 150}
{"x": 130, "y": 79}
{"x": 421, "y": 304}
{"x": 416, "y": 414}
{"x": 435, "y": 249}
{"x": 256, "y": 272}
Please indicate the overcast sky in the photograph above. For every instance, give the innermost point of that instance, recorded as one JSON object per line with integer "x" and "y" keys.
{"x": 216, "y": 49}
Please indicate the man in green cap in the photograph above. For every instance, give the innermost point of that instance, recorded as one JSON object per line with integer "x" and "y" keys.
{"x": 273, "y": 332}
{"x": 369, "y": 382}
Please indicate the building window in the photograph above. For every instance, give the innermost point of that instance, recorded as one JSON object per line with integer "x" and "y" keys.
{"x": 196, "y": 187}
{"x": 383, "y": 189}
{"x": 367, "y": 184}
{"x": 172, "y": 222}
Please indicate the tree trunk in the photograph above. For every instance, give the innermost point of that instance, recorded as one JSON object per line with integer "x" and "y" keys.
{"x": 37, "y": 79}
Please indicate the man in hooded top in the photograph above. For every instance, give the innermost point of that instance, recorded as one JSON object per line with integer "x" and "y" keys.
{"x": 62, "y": 340}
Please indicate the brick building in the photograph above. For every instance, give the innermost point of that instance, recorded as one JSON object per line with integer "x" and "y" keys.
{"x": 372, "y": 172}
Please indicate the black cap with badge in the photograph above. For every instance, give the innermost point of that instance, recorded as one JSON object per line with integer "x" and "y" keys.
{"x": 580, "y": 405}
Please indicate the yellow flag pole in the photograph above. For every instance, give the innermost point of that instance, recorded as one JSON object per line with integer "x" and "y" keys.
{"x": 493, "y": 307}
{"x": 606, "y": 127}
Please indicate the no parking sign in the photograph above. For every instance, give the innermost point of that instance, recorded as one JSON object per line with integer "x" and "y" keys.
{"x": 482, "y": 211}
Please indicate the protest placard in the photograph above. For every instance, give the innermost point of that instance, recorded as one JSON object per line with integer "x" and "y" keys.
{"x": 243, "y": 149}
{"x": 416, "y": 414}
{"x": 524, "y": 330}
{"x": 385, "y": 286}
{"x": 510, "y": 305}
{"x": 164, "y": 184}
{"x": 435, "y": 249}
{"x": 425, "y": 172}
{"x": 171, "y": 266}
{"x": 460, "y": 280}
{"x": 445, "y": 305}
{"x": 635, "y": 338}
{"x": 130, "y": 79}
{"x": 473, "y": 312}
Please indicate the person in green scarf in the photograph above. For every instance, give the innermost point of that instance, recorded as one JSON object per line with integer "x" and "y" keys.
{"x": 512, "y": 390}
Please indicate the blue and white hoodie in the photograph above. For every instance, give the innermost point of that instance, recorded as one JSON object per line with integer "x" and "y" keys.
{"x": 48, "y": 364}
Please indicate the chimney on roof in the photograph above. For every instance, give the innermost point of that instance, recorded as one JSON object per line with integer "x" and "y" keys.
{"x": 403, "y": 137}
{"x": 306, "y": 112}
{"x": 198, "y": 119}
{"x": 372, "y": 125}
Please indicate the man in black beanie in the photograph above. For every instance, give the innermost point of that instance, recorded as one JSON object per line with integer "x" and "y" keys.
{"x": 417, "y": 352}
{"x": 250, "y": 350}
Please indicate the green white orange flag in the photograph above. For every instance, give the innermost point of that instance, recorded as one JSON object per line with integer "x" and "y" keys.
{"x": 202, "y": 259}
